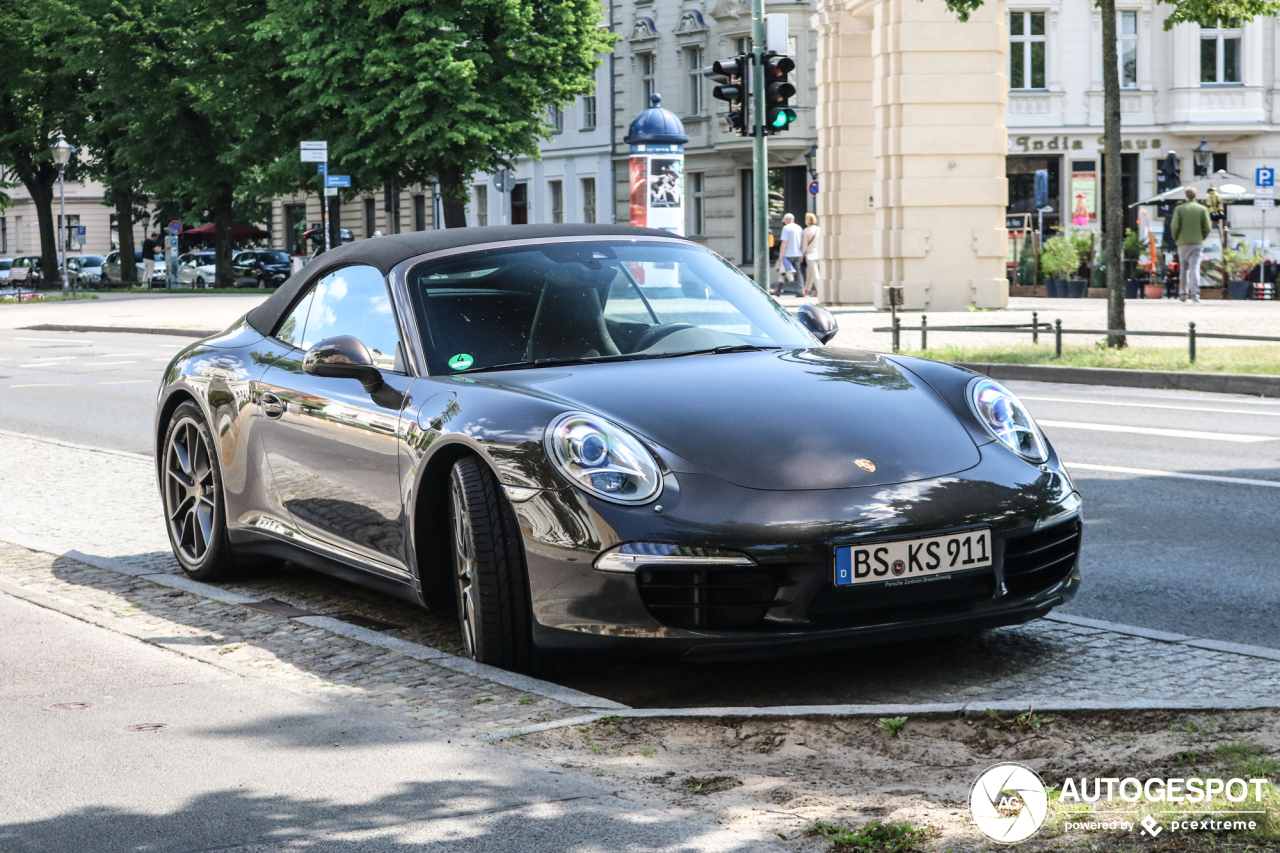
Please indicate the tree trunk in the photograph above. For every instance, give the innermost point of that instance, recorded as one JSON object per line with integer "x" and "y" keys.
{"x": 1114, "y": 200}
{"x": 124, "y": 232}
{"x": 222, "y": 219}
{"x": 452, "y": 195}
{"x": 334, "y": 204}
{"x": 40, "y": 184}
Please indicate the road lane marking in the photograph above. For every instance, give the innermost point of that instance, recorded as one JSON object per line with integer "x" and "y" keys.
{"x": 53, "y": 359}
{"x": 112, "y": 363}
{"x": 1182, "y": 475}
{"x": 1150, "y": 406}
{"x": 58, "y": 340}
{"x": 42, "y": 385}
{"x": 1168, "y": 433}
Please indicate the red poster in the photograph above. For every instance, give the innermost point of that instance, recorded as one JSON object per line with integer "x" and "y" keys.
{"x": 639, "y": 191}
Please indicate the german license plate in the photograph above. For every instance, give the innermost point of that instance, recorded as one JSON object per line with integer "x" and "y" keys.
{"x": 907, "y": 561}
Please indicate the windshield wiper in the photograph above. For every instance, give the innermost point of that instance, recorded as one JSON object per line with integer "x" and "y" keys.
{"x": 722, "y": 349}
{"x": 564, "y": 362}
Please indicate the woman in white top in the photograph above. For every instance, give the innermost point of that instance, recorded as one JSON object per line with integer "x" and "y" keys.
{"x": 809, "y": 250}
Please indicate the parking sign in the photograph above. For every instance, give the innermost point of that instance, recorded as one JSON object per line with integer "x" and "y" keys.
{"x": 1265, "y": 176}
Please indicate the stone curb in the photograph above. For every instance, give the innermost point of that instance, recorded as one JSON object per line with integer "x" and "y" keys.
{"x": 1255, "y": 385}
{"x": 125, "y": 453}
{"x": 135, "y": 330}
{"x": 524, "y": 683}
{"x": 1166, "y": 637}
{"x": 969, "y": 709}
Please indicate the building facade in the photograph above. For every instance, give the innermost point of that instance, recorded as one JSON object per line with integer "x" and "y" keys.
{"x": 20, "y": 226}
{"x": 1179, "y": 87}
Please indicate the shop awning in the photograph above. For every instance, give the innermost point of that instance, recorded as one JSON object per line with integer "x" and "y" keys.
{"x": 1232, "y": 189}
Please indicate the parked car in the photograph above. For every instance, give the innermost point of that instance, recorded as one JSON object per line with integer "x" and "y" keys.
{"x": 85, "y": 269}
{"x": 604, "y": 440}
{"x": 111, "y": 269}
{"x": 316, "y": 236}
{"x": 5, "y": 263}
{"x": 261, "y": 268}
{"x": 197, "y": 269}
{"x": 35, "y": 263}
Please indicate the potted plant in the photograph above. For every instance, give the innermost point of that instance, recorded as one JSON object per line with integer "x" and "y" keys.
{"x": 1133, "y": 248}
{"x": 1059, "y": 258}
{"x": 1236, "y": 263}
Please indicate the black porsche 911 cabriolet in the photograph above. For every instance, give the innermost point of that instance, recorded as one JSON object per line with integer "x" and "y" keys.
{"x": 600, "y": 440}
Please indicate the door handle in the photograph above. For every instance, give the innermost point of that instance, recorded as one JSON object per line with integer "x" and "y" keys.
{"x": 272, "y": 405}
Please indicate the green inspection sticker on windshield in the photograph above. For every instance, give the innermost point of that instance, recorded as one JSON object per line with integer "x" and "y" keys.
{"x": 461, "y": 361}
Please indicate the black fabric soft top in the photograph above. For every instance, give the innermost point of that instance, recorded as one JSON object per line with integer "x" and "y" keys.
{"x": 386, "y": 252}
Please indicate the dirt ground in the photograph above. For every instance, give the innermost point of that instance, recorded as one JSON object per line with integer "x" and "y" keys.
{"x": 779, "y": 778}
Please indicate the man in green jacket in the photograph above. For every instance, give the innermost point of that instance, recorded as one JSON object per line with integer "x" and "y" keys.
{"x": 1190, "y": 226}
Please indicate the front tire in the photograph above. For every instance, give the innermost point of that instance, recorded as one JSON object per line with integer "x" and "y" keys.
{"x": 490, "y": 577}
{"x": 195, "y": 511}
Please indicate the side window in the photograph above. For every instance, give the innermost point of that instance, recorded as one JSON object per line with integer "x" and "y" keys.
{"x": 354, "y": 301}
{"x": 295, "y": 325}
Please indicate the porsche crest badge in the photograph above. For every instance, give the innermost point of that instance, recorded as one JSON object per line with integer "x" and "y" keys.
{"x": 865, "y": 464}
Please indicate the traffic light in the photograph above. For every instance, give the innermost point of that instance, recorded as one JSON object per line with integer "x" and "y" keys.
{"x": 778, "y": 90}
{"x": 732, "y": 75}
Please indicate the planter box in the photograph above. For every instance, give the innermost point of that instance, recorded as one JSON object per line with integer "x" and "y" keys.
{"x": 1213, "y": 293}
{"x": 1154, "y": 291}
{"x": 1239, "y": 289}
{"x": 1096, "y": 293}
{"x": 1133, "y": 288}
{"x": 1073, "y": 288}
{"x": 1051, "y": 287}
{"x": 1026, "y": 290}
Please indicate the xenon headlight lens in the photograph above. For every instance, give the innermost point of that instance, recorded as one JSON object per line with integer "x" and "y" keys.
{"x": 603, "y": 458}
{"x": 1008, "y": 420}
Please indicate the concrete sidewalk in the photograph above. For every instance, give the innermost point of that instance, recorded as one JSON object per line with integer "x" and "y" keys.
{"x": 135, "y": 310}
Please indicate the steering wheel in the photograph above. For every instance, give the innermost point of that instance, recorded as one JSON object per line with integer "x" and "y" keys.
{"x": 657, "y": 333}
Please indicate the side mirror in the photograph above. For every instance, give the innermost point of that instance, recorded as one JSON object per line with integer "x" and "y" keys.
{"x": 819, "y": 321}
{"x": 343, "y": 357}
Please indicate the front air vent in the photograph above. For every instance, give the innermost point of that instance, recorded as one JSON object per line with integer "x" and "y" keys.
{"x": 714, "y": 599}
{"x": 1039, "y": 560}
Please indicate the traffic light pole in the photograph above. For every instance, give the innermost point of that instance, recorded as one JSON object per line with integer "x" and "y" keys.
{"x": 760, "y": 153}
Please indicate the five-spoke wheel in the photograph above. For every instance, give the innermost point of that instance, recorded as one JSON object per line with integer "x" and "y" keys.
{"x": 193, "y": 501}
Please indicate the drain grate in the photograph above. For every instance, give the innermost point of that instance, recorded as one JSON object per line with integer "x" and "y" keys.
{"x": 366, "y": 622}
{"x": 71, "y": 706}
{"x": 277, "y": 607}
{"x": 146, "y": 727}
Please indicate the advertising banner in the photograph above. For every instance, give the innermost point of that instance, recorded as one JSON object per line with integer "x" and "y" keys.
{"x": 1084, "y": 193}
{"x": 657, "y": 187}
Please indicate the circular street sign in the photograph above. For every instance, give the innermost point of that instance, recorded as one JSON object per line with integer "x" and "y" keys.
{"x": 175, "y": 226}
{"x": 813, "y": 188}
{"x": 504, "y": 181}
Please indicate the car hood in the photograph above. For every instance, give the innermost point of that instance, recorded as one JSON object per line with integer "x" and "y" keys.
{"x": 782, "y": 420}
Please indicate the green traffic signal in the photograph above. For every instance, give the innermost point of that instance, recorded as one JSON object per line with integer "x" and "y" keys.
{"x": 780, "y": 118}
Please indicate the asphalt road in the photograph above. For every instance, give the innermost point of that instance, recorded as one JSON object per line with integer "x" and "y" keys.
{"x": 1165, "y": 552}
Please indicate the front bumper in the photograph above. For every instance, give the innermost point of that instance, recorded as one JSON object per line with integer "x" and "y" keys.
{"x": 791, "y": 537}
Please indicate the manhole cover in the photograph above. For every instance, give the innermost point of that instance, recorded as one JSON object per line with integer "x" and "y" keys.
{"x": 146, "y": 727}
{"x": 71, "y": 706}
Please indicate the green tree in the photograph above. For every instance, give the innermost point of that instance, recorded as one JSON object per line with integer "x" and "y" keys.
{"x": 407, "y": 90}
{"x": 1204, "y": 12}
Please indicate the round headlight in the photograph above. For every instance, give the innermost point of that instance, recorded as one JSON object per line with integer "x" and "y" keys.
{"x": 1007, "y": 419}
{"x": 603, "y": 458}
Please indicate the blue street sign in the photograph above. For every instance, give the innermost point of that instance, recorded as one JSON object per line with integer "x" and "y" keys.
{"x": 322, "y": 168}
{"x": 81, "y": 230}
{"x": 1265, "y": 177}
{"x": 337, "y": 180}
{"x": 813, "y": 188}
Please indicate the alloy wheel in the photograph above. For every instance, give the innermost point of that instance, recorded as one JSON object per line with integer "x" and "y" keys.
{"x": 190, "y": 490}
{"x": 464, "y": 562}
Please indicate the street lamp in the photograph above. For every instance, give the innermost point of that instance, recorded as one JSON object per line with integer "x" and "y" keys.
{"x": 62, "y": 151}
{"x": 1203, "y": 155}
{"x": 811, "y": 160}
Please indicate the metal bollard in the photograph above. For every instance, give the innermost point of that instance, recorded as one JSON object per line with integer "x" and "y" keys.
{"x": 1057, "y": 339}
{"x": 1191, "y": 340}
{"x": 1035, "y": 327}
{"x": 897, "y": 331}
{"x": 924, "y": 332}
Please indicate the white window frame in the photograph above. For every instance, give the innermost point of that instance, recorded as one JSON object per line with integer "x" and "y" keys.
{"x": 648, "y": 66}
{"x": 588, "y": 200}
{"x": 589, "y": 112}
{"x": 1025, "y": 76}
{"x": 555, "y": 114}
{"x": 482, "y": 204}
{"x": 694, "y": 95}
{"x": 555, "y": 190}
{"x": 1123, "y": 43}
{"x": 1221, "y": 35}
{"x": 696, "y": 191}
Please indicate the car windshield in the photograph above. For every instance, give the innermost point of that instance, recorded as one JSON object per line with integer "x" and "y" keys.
{"x": 590, "y": 301}
{"x": 6, "y": 264}
{"x": 91, "y": 260}
{"x": 274, "y": 257}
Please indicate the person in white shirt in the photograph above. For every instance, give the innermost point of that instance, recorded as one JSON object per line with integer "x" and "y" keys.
{"x": 789, "y": 255}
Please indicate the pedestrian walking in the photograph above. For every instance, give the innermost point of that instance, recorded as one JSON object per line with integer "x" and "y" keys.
{"x": 789, "y": 255}
{"x": 149, "y": 247}
{"x": 1190, "y": 227}
{"x": 809, "y": 252}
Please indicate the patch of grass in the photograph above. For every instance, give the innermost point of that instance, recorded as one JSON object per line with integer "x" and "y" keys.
{"x": 597, "y": 749}
{"x": 1259, "y": 358}
{"x": 893, "y": 725}
{"x": 1239, "y": 751}
{"x": 525, "y": 700}
{"x": 1023, "y": 722}
{"x": 1187, "y": 756}
{"x": 1259, "y": 768}
{"x": 703, "y": 785}
{"x": 485, "y": 699}
{"x": 40, "y": 297}
{"x": 875, "y": 837}
{"x": 648, "y": 753}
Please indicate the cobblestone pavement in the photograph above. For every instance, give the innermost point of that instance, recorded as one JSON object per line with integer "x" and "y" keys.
{"x": 69, "y": 500}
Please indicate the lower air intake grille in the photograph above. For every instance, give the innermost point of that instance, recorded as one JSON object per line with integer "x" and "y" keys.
{"x": 718, "y": 599}
{"x": 1041, "y": 559}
